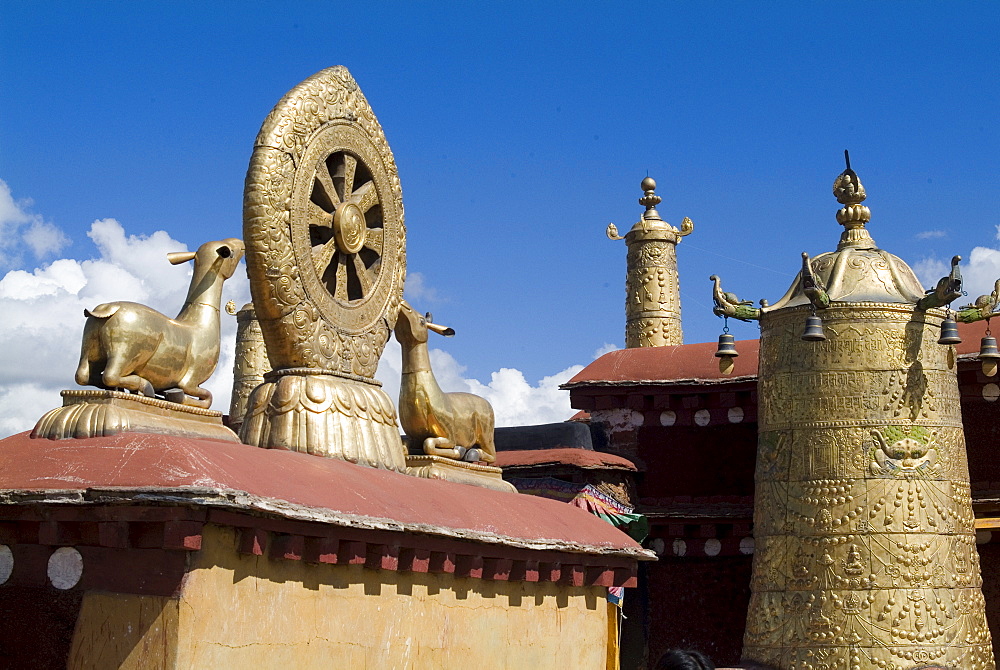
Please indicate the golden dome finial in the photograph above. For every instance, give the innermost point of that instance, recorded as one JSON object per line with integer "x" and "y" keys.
{"x": 848, "y": 190}
{"x": 650, "y": 200}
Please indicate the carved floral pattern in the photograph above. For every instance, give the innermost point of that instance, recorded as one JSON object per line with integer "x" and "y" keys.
{"x": 864, "y": 530}
{"x": 303, "y": 325}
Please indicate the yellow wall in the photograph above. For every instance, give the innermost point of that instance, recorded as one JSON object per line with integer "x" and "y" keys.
{"x": 239, "y": 611}
{"x": 124, "y": 631}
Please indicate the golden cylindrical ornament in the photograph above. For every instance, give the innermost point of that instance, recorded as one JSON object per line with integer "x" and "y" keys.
{"x": 865, "y": 540}
{"x": 652, "y": 294}
{"x": 249, "y": 365}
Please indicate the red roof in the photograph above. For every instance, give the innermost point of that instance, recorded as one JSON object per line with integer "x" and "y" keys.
{"x": 697, "y": 362}
{"x": 269, "y": 481}
{"x": 658, "y": 365}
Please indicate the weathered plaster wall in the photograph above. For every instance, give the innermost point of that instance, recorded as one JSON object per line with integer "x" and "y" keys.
{"x": 239, "y": 610}
{"x": 127, "y": 632}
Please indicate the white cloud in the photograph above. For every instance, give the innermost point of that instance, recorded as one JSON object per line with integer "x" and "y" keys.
{"x": 930, "y": 270}
{"x": 931, "y": 234}
{"x": 19, "y": 228}
{"x": 980, "y": 270}
{"x": 516, "y": 402}
{"x": 605, "y": 348}
{"x": 417, "y": 291}
{"x": 43, "y": 316}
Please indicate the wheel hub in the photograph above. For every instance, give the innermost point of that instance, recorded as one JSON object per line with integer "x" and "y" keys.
{"x": 349, "y": 228}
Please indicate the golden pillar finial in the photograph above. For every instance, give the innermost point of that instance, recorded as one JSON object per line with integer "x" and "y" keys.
{"x": 848, "y": 190}
{"x": 650, "y": 200}
{"x": 652, "y": 295}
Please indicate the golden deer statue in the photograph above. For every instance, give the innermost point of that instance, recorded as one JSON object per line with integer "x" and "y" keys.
{"x": 130, "y": 346}
{"x": 452, "y": 425}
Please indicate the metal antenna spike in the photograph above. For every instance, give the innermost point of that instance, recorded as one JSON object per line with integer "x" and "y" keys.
{"x": 847, "y": 158}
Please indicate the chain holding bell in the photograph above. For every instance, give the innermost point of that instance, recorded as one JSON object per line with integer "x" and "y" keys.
{"x": 814, "y": 329}
{"x": 949, "y": 332}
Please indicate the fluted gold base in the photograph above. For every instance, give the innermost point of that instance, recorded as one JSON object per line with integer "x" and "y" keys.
{"x": 324, "y": 415}
{"x": 100, "y": 413}
{"x": 449, "y": 469}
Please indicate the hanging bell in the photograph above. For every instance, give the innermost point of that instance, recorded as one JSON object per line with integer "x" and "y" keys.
{"x": 727, "y": 346}
{"x": 988, "y": 347}
{"x": 949, "y": 332}
{"x": 726, "y": 353}
{"x": 814, "y": 330}
{"x": 988, "y": 355}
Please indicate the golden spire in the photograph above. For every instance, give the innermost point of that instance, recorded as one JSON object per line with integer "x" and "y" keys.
{"x": 650, "y": 200}
{"x": 652, "y": 295}
{"x": 853, "y": 215}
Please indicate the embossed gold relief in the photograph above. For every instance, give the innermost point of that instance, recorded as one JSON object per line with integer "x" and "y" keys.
{"x": 325, "y": 416}
{"x": 652, "y": 295}
{"x": 250, "y": 362}
{"x": 326, "y": 256}
{"x": 326, "y": 288}
{"x": 866, "y": 554}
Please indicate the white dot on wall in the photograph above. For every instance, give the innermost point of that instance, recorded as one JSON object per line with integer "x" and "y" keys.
{"x": 65, "y": 568}
{"x": 680, "y": 547}
{"x": 735, "y": 414}
{"x": 983, "y": 536}
{"x": 6, "y": 563}
{"x": 747, "y": 546}
{"x": 668, "y": 417}
{"x": 712, "y": 547}
{"x": 702, "y": 417}
{"x": 658, "y": 546}
{"x": 637, "y": 419}
{"x": 991, "y": 392}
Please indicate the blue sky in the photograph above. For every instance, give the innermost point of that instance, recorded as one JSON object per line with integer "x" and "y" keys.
{"x": 520, "y": 131}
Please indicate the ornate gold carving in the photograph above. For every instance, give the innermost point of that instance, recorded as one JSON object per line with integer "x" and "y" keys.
{"x": 326, "y": 255}
{"x": 324, "y": 415}
{"x": 133, "y": 347}
{"x": 250, "y": 363}
{"x": 323, "y": 220}
{"x": 652, "y": 295}
{"x": 863, "y": 522}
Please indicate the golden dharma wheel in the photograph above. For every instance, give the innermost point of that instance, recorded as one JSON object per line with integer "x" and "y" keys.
{"x": 323, "y": 224}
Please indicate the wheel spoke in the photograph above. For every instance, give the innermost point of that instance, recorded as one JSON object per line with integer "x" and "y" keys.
{"x": 321, "y": 257}
{"x": 373, "y": 239}
{"x": 325, "y": 184}
{"x": 363, "y": 276}
{"x": 366, "y": 196}
{"x": 318, "y": 217}
{"x": 341, "y": 277}
{"x": 344, "y": 177}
